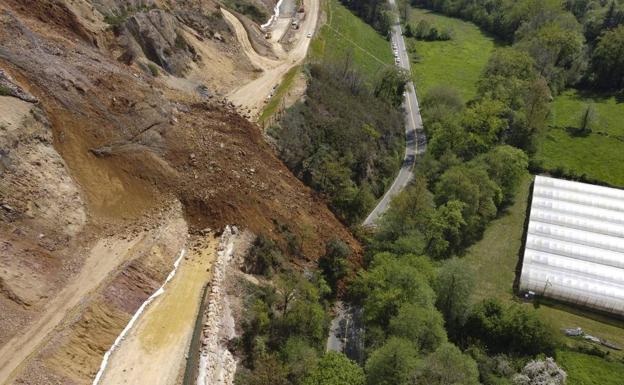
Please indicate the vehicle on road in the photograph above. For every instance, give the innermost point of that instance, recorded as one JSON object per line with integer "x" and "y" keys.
{"x": 309, "y": 35}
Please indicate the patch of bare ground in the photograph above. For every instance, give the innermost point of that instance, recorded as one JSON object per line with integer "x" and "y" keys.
{"x": 101, "y": 177}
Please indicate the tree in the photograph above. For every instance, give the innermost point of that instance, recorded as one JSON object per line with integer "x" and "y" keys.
{"x": 587, "y": 120}
{"x": 516, "y": 329}
{"x": 506, "y": 166}
{"x": 447, "y": 365}
{"x": 444, "y": 231}
{"x": 481, "y": 196}
{"x": 268, "y": 370}
{"x": 299, "y": 357}
{"x": 388, "y": 284}
{"x": 408, "y": 211}
{"x": 423, "y": 326}
{"x": 485, "y": 121}
{"x": 391, "y": 85}
{"x": 453, "y": 287}
{"x": 404, "y": 9}
{"x": 335, "y": 369}
{"x": 392, "y": 364}
{"x": 541, "y": 372}
{"x": 335, "y": 262}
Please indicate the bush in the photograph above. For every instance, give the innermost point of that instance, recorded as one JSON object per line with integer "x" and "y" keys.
{"x": 153, "y": 69}
{"x": 264, "y": 257}
{"x": 515, "y": 329}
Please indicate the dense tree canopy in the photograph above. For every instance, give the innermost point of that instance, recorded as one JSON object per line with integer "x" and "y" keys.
{"x": 608, "y": 59}
{"x": 335, "y": 369}
{"x": 447, "y": 365}
{"x": 392, "y": 364}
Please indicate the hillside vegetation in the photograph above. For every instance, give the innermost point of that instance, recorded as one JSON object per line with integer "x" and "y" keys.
{"x": 345, "y": 35}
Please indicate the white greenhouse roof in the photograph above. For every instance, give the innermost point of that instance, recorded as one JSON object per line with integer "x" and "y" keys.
{"x": 574, "y": 249}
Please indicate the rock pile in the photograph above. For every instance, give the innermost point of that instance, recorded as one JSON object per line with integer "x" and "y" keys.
{"x": 217, "y": 365}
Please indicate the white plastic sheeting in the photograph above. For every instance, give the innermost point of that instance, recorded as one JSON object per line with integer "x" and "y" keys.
{"x": 575, "y": 244}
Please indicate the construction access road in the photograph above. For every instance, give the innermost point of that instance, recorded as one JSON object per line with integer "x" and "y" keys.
{"x": 415, "y": 140}
{"x": 252, "y": 96}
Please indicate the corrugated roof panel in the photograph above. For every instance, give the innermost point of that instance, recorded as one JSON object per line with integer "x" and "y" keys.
{"x": 574, "y": 249}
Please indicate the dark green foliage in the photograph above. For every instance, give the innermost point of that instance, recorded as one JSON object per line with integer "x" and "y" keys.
{"x": 335, "y": 263}
{"x": 392, "y": 364}
{"x": 505, "y": 165}
{"x": 423, "y": 30}
{"x": 423, "y": 326}
{"x": 299, "y": 357}
{"x": 335, "y": 369}
{"x": 343, "y": 140}
{"x": 493, "y": 370}
{"x": 388, "y": 284}
{"x": 249, "y": 9}
{"x": 5, "y": 91}
{"x": 515, "y": 329}
{"x": 453, "y": 287}
{"x": 608, "y": 59}
{"x": 391, "y": 85}
{"x": 285, "y": 323}
{"x": 374, "y": 12}
{"x": 264, "y": 256}
{"x": 447, "y": 365}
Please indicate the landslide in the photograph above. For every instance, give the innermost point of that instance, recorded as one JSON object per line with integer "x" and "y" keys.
{"x": 100, "y": 152}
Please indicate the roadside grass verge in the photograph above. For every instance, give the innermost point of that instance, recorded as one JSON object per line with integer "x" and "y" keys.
{"x": 584, "y": 369}
{"x": 346, "y": 34}
{"x": 457, "y": 62}
{"x": 599, "y": 155}
{"x": 494, "y": 259}
{"x": 282, "y": 89}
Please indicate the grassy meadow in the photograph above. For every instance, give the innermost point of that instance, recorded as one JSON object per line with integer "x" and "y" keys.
{"x": 599, "y": 155}
{"x": 344, "y": 33}
{"x": 457, "y": 63}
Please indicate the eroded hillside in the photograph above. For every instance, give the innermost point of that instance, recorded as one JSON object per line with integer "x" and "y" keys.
{"x": 116, "y": 145}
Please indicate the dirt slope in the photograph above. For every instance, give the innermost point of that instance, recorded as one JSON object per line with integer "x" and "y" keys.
{"x": 103, "y": 178}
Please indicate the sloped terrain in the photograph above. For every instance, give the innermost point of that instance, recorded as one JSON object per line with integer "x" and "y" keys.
{"x": 107, "y": 168}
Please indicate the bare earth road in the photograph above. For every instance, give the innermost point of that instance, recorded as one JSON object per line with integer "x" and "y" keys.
{"x": 414, "y": 134}
{"x": 251, "y": 96}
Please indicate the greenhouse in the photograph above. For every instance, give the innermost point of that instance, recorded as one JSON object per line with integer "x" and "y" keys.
{"x": 574, "y": 248}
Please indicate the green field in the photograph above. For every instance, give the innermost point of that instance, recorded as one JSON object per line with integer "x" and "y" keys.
{"x": 345, "y": 33}
{"x": 457, "y": 62}
{"x": 600, "y": 155}
{"x": 584, "y": 369}
{"x": 495, "y": 258}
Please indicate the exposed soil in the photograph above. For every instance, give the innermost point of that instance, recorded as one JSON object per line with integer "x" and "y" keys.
{"x": 250, "y": 98}
{"x": 104, "y": 177}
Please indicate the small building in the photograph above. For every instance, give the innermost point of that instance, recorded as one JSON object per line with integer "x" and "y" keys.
{"x": 574, "y": 250}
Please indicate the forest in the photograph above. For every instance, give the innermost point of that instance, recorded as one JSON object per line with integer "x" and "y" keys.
{"x": 422, "y": 323}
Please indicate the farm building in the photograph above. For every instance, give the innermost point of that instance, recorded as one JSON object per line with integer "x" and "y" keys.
{"x": 574, "y": 248}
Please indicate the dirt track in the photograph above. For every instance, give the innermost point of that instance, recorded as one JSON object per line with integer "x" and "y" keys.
{"x": 252, "y": 95}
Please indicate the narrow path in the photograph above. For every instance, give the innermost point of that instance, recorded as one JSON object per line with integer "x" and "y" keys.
{"x": 414, "y": 133}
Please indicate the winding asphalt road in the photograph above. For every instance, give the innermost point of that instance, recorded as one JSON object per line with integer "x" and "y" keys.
{"x": 414, "y": 134}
